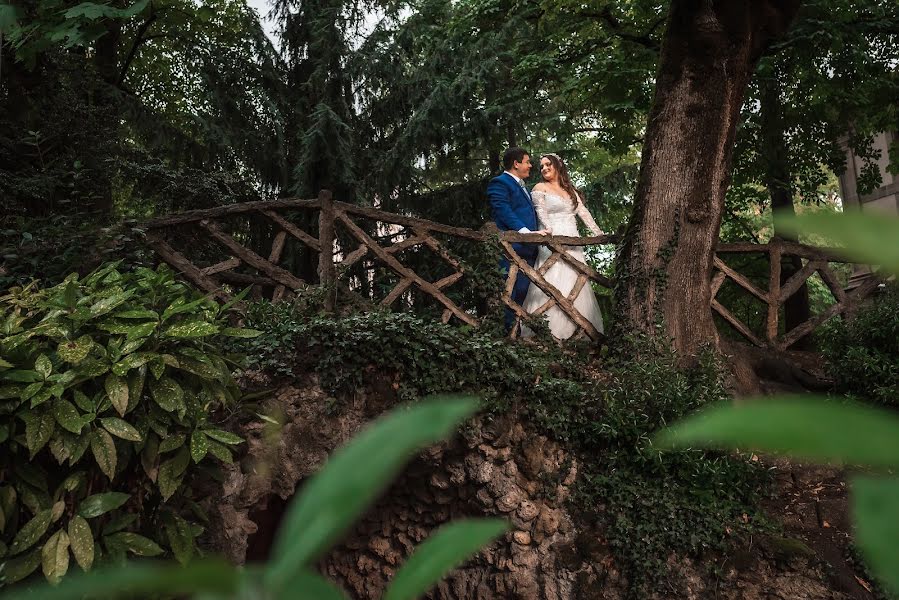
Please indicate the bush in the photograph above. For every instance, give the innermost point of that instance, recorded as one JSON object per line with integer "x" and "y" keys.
{"x": 863, "y": 353}
{"x": 111, "y": 388}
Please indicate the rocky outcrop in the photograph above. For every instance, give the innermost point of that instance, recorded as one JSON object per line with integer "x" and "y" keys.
{"x": 496, "y": 466}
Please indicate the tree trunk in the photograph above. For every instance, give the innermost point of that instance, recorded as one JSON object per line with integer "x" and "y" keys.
{"x": 708, "y": 55}
{"x": 778, "y": 180}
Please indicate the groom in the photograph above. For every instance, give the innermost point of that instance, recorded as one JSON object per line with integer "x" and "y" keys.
{"x": 514, "y": 211}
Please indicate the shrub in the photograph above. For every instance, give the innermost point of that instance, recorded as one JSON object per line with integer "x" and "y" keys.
{"x": 110, "y": 394}
{"x": 863, "y": 352}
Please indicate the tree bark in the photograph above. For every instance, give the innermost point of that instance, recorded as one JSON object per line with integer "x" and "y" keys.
{"x": 778, "y": 181}
{"x": 708, "y": 55}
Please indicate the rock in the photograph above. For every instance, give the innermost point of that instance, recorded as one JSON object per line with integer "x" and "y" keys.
{"x": 522, "y": 537}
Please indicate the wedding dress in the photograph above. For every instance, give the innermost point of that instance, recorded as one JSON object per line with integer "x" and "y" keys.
{"x": 557, "y": 213}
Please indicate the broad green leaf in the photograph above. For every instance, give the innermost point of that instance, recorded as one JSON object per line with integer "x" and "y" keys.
{"x": 28, "y": 535}
{"x": 137, "y": 581}
{"x": 173, "y": 442}
{"x": 179, "y": 306}
{"x": 199, "y": 445}
{"x": 117, "y": 390}
{"x": 67, "y": 415}
{"x": 82, "y": 442}
{"x": 136, "y": 380}
{"x": 134, "y": 543}
{"x": 38, "y": 429}
{"x": 56, "y": 511}
{"x": 82, "y": 542}
{"x": 875, "y": 508}
{"x": 171, "y": 472}
{"x": 104, "y": 452}
{"x": 313, "y": 586}
{"x": 43, "y": 366}
{"x": 31, "y": 390}
{"x": 91, "y": 368}
{"x": 11, "y": 391}
{"x": 804, "y": 427}
{"x": 107, "y": 304}
{"x": 168, "y": 394}
{"x": 178, "y": 532}
{"x": 190, "y": 329}
{"x": 19, "y": 568}
{"x": 238, "y": 332}
{"x": 83, "y": 402}
{"x": 137, "y": 314}
{"x": 6, "y": 364}
{"x": 121, "y": 429}
{"x": 21, "y": 376}
{"x": 133, "y": 361}
{"x": 353, "y": 477}
{"x": 220, "y": 451}
{"x": 119, "y": 522}
{"x": 75, "y": 351}
{"x": 440, "y": 553}
{"x": 70, "y": 484}
{"x": 100, "y": 504}
{"x": 226, "y": 437}
{"x": 861, "y": 235}
{"x": 55, "y": 556}
{"x": 198, "y": 368}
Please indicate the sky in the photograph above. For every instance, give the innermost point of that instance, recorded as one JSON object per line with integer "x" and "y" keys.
{"x": 262, "y": 7}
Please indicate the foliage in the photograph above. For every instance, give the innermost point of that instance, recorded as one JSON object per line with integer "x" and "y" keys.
{"x": 825, "y": 431}
{"x": 325, "y": 509}
{"x": 690, "y": 502}
{"x": 863, "y": 353}
{"x": 112, "y": 389}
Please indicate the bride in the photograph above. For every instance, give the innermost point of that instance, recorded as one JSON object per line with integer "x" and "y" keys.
{"x": 557, "y": 203}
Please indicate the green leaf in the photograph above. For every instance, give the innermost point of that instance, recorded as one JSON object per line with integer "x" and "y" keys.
{"x": 138, "y": 581}
{"x": 237, "y": 332}
{"x": 82, "y": 542}
{"x": 21, "y": 376}
{"x": 313, "y": 586}
{"x": 134, "y": 543}
{"x": 43, "y": 366}
{"x": 7, "y": 18}
{"x": 875, "y": 507}
{"x": 107, "y": 304}
{"x": 28, "y": 535}
{"x": 171, "y": 472}
{"x": 136, "y": 380}
{"x": 226, "y": 437}
{"x": 804, "y": 427}
{"x": 172, "y": 442}
{"x": 67, "y": 415}
{"x": 100, "y": 504}
{"x": 863, "y": 236}
{"x": 117, "y": 390}
{"x": 190, "y": 329}
{"x": 70, "y": 484}
{"x": 137, "y": 314}
{"x": 133, "y": 361}
{"x": 104, "y": 452}
{"x": 75, "y": 351}
{"x": 168, "y": 394}
{"x": 181, "y": 540}
{"x": 21, "y": 567}
{"x": 199, "y": 445}
{"x": 121, "y": 429}
{"x": 353, "y": 477}
{"x": 441, "y": 553}
{"x": 221, "y": 452}
{"x": 55, "y": 556}
{"x": 38, "y": 429}
{"x": 83, "y": 402}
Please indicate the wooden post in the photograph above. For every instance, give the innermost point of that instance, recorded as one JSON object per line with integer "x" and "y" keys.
{"x": 775, "y": 252}
{"x": 327, "y": 274}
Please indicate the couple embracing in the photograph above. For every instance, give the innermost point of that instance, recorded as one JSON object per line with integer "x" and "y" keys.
{"x": 551, "y": 208}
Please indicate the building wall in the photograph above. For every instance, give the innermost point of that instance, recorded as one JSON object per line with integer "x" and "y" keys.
{"x": 886, "y": 197}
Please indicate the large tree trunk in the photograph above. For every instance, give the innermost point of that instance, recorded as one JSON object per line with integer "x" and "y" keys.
{"x": 708, "y": 55}
{"x": 778, "y": 180}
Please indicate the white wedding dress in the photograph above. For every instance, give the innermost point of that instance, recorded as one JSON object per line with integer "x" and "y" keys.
{"x": 557, "y": 213}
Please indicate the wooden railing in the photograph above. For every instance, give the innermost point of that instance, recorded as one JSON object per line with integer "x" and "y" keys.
{"x": 340, "y": 228}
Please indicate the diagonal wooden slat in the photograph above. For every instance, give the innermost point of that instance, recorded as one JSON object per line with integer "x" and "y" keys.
{"x": 293, "y": 230}
{"x": 736, "y": 323}
{"x": 717, "y": 280}
{"x": 803, "y": 329}
{"x": 741, "y": 281}
{"x": 448, "y": 280}
{"x": 403, "y": 271}
{"x": 583, "y": 268}
{"x": 797, "y": 279}
{"x": 409, "y": 242}
{"x": 830, "y": 280}
{"x": 187, "y": 268}
{"x": 538, "y": 280}
{"x": 274, "y": 256}
{"x": 351, "y": 258}
{"x": 578, "y": 286}
{"x": 225, "y": 265}
{"x": 252, "y": 259}
{"x": 396, "y": 292}
{"x": 549, "y": 262}
{"x": 550, "y": 302}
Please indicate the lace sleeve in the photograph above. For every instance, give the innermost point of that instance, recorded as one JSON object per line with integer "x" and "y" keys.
{"x": 587, "y": 218}
{"x": 539, "y": 199}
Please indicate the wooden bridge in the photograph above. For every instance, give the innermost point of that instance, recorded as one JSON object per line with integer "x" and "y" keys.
{"x": 227, "y": 248}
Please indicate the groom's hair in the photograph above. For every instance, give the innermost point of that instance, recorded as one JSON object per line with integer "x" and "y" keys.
{"x": 512, "y": 156}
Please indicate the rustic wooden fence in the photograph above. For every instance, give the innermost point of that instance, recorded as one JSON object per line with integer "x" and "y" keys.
{"x": 342, "y": 240}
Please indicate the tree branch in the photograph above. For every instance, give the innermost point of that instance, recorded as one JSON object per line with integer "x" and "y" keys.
{"x": 618, "y": 29}
{"x": 138, "y": 40}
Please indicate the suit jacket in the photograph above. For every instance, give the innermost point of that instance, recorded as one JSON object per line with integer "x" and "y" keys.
{"x": 512, "y": 210}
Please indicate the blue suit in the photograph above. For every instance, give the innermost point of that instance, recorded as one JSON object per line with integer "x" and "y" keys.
{"x": 512, "y": 210}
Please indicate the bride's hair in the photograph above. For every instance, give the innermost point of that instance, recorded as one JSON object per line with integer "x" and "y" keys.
{"x": 564, "y": 178}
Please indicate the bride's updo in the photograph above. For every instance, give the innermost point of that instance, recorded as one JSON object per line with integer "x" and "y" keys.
{"x": 564, "y": 178}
